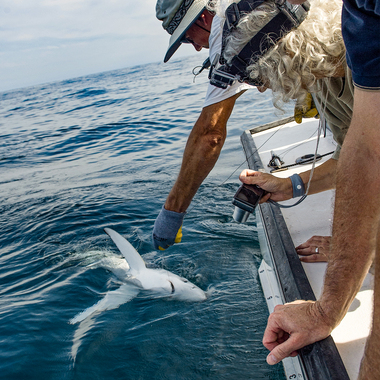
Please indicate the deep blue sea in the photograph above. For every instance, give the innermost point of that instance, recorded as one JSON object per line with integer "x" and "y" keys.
{"x": 103, "y": 151}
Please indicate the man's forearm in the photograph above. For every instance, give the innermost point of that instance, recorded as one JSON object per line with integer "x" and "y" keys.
{"x": 357, "y": 209}
{"x": 370, "y": 367}
{"x": 324, "y": 177}
{"x": 201, "y": 153}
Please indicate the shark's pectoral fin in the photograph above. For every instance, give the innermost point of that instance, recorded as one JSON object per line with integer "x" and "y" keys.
{"x": 112, "y": 300}
{"x": 134, "y": 260}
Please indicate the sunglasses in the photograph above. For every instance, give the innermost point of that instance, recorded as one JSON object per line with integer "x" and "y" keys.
{"x": 188, "y": 40}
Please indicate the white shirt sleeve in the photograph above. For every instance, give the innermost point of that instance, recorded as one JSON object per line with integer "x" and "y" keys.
{"x": 215, "y": 94}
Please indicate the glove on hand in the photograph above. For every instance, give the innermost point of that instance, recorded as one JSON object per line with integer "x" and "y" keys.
{"x": 306, "y": 108}
{"x": 167, "y": 229}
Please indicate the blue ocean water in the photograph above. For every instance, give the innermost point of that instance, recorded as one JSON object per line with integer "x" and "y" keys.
{"x": 103, "y": 151}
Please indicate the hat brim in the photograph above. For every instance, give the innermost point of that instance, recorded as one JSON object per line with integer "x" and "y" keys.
{"x": 188, "y": 20}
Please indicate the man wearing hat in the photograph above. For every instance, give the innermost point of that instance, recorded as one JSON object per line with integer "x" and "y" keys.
{"x": 189, "y": 21}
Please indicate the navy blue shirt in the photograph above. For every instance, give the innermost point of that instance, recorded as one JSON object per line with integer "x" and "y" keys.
{"x": 361, "y": 33}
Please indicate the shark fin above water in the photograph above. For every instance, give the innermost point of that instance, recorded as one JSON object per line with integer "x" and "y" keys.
{"x": 134, "y": 260}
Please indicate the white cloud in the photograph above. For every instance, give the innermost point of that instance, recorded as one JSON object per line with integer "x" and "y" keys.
{"x": 47, "y": 40}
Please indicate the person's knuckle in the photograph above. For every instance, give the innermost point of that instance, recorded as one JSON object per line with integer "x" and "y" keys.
{"x": 277, "y": 308}
{"x": 282, "y": 353}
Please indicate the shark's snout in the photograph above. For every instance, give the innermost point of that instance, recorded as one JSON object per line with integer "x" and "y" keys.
{"x": 201, "y": 295}
{"x": 186, "y": 290}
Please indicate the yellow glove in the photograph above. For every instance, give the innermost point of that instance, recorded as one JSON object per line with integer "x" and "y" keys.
{"x": 179, "y": 235}
{"x": 306, "y": 108}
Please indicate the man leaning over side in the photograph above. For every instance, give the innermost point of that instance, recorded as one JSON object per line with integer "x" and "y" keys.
{"x": 291, "y": 74}
{"x": 192, "y": 21}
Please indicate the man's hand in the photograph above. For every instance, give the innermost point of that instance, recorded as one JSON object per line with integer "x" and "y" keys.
{"x": 167, "y": 229}
{"x": 279, "y": 189}
{"x": 316, "y": 249}
{"x": 293, "y": 326}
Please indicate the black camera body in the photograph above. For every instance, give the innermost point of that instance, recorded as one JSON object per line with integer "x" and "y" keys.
{"x": 245, "y": 200}
{"x": 219, "y": 75}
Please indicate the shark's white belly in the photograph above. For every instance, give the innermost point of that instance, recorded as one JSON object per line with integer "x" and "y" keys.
{"x": 155, "y": 279}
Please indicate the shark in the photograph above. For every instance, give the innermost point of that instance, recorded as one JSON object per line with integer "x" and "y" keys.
{"x": 135, "y": 277}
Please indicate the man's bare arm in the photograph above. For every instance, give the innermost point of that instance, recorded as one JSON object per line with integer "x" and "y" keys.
{"x": 357, "y": 207}
{"x": 201, "y": 153}
{"x": 324, "y": 177}
{"x": 370, "y": 367}
{"x": 281, "y": 189}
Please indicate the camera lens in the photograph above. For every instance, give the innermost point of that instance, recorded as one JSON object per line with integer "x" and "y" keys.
{"x": 240, "y": 215}
{"x": 245, "y": 201}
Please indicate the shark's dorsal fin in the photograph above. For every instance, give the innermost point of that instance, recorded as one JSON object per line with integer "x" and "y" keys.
{"x": 134, "y": 260}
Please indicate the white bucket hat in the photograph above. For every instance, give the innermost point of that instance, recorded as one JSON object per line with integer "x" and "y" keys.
{"x": 177, "y": 16}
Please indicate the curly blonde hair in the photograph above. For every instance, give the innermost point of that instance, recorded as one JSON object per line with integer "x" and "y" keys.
{"x": 219, "y": 7}
{"x": 292, "y": 67}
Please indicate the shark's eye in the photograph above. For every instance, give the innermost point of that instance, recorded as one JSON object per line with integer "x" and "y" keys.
{"x": 172, "y": 285}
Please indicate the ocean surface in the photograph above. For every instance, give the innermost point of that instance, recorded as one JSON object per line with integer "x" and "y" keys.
{"x": 103, "y": 150}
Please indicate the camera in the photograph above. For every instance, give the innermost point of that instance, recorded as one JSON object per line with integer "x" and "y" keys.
{"x": 245, "y": 200}
{"x": 219, "y": 76}
{"x": 224, "y": 75}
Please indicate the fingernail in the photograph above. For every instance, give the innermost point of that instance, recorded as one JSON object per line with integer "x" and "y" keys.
{"x": 271, "y": 359}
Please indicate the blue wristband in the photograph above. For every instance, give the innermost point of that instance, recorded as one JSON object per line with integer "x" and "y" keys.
{"x": 298, "y": 186}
